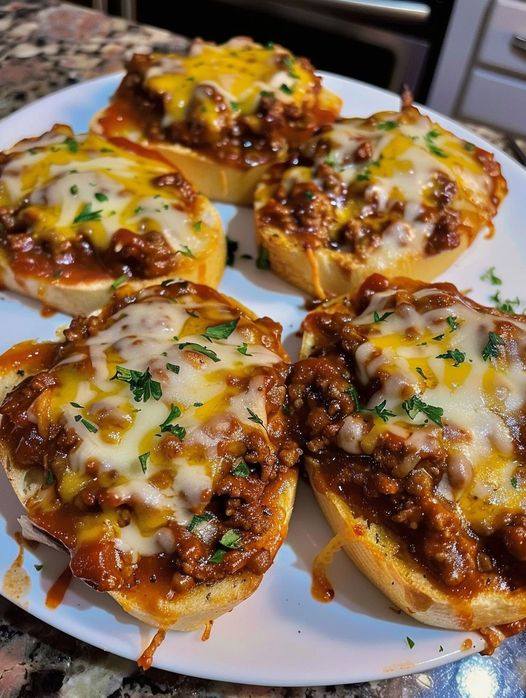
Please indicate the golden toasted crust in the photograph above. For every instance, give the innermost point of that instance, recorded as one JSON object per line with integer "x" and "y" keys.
{"x": 196, "y": 607}
{"x": 382, "y": 557}
{"x": 84, "y": 298}
{"x": 325, "y": 273}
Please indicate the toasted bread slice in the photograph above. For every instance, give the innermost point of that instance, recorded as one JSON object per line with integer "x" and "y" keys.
{"x": 82, "y": 216}
{"x": 434, "y": 348}
{"x": 394, "y": 193}
{"x": 176, "y": 539}
{"x": 221, "y": 114}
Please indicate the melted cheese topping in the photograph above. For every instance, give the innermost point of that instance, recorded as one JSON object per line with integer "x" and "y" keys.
{"x": 63, "y": 185}
{"x": 391, "y": 164}
{"x": 216, "y": 400}
{"x": 412, "y": 352}
{"x": 240, "y": 71}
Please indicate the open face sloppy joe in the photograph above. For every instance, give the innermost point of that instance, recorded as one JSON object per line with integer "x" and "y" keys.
{"x": 80, "y": 216}
{"x": 222, "y": 113}
{"x": 152, "y": 444}
{"x": 410, "y": 399}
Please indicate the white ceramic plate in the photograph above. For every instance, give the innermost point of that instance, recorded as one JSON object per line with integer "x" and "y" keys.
{"x": 281, "y": 635}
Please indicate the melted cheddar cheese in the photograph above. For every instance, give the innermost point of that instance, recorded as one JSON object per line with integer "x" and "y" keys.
{"x": 62, "y": 185}
{"x": 450, "y": 376}
{"x": 160, "y": 453}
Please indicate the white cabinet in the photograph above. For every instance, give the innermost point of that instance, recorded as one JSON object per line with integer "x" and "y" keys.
{"x": 504, "y": 42}
{"x": 496, "y": 99}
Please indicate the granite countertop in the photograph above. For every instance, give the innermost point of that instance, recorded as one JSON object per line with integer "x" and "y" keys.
{"x": 43, "y": 47}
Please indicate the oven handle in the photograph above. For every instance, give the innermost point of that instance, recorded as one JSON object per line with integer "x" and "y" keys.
{"x": 400, "y": 10}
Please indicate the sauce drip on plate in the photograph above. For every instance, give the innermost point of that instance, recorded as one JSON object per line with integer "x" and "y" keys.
{"x": 321, "y": 588}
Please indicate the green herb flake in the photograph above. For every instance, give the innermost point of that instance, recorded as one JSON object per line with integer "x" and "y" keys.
{"x": 439, "y": 337}
{"x": 286, "y": 89}
{"x": 269, "y": 45}
{"x": 143, "y": 460}
{"x": 410, "y": 642}
{"x": 309, "y": 194}
{"x": 141, "y": 384}
{"x": 452, "y": 321}
{"x": 85, "y": 423}
{"x": 363, "y": 176}
{"x": 86, "y": 214}
{"x": 469, "y": 147}
{"x": 172, "y": 367}
{"x": 138, "y": 210}
{"x": 490, "y": 276}
{"x": 198, "y": 404}
{"x": 200, "y": 349}
{"x": 420, "y": 372}
{"x": 508, "y": 305}
{"x": 118, "y": 282}
{"x": 76, "y": 405}
{"x": 49, "y": 478}
{"x": 222, "y": 331}
{"x": 186, "y": 251}
{"x": 197, "y": 226}
{"x": 514, "y": 482}
{"x": 387, "y": 125}
{"x": 71, "y": 144}
{"x": 381, "y": 318}
{"x": 440, "y": 648}
{"x": 415, "y": 405}
{"x": 198, "y": 519}
{"x": 235, "y": 106}
{"x": 231, "y": 539}
{"x": 100, "y": 196}
{"x": 263, "y": 260}
{"x": 458, "y": 357}
{"x": 73, "y": 190}
{"x": 175, "y": 429}
{"x": 231, "y": 249}
{"x": 38, "y": 567}
{"x": 491, "y": 349}
{"x": 254, "y": 418}
{"x": 380, "y": 411}
{"x": 241, "y": 469}
{"x": 437, "y": 151}
{"x": 243, "y": 349}
{"x": 217, "y": 556}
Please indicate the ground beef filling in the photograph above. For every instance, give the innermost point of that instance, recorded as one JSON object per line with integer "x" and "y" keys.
{"x": 409, "y": 504}
{"x": 244, "y": 504}
{"x": 234, "y": 139}
{"x": 146, "y": 256}
{"x": 310, "y": 210}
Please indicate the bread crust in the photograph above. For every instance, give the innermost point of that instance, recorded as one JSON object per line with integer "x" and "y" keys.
{"x": 382, "y": 557}
{"x": 84, "y": 298}
{"x": 202, "y": 603}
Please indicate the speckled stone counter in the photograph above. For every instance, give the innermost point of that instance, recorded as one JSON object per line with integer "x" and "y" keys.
{"x": 45, "y": 46}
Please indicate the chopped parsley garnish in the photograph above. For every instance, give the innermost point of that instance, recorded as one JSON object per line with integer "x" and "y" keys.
{"x": 266, "y": 93}
{"x": 20, "y": 372}
{"x": 100, "y": 196}
{"x": 440, "y": 648}
{"x": 289, "y": 65}
{"x": 379, "y": 410}
{"x": 38, "y": 567}
{"x": 73, "y": 190}
{"x": 89, "y": 426}
{"x": 198, "y": 404}
{"x": 380, "y": 318}
{"x": 415, "y": 405}
{"x": 309, "y": 194}
{"x": 491, "y": 349}
{"x": 143, "y": 460}
{"x": 118, "y": 282}
{"x": 221, "y": 331}
{"x": 246, "y": 256}
{"x": 198, "y": 519}
{"x": 241, "y": 469}
{"x": 263, "y": 261}
{"x": 420, "y": 372}
{"x": 386, "y": 125}
{"x": 438, "y": 338}
{"x": 286, "y": 89}
{"x": 410, "y": 642}
{"x": 192, "y": 313}
{"x": 217, "y": 556}
{"x": 76, "y": 404}
{"x": 173, "y": 414}
{"x": 86, "y": 214}
{"x": 49, "y": 478}
{"x": 507, "y": 305}
{"x": 72, "y": 145}
{"x": 141, "y": 383}
{"x": 197, "y": 226}
{"x": 200, "y": 349}
{"x": 186, "y": 251}
{"x": 231, "y": 249}
{"x": 138, "y": 210}
{"x": 243, "y": 349}
{"x": 363, "y": 176}
{"x": 452, "y": 322}
{"x": 489, "y": 275}
{"x": 458, "y": 357}
{"x": 514, "y": 482}
{"x": 172, "y": 367}
{"x": 254, "y": 418}
{"x": 429, "y": 139}
{"x": 231, "y": 539}
{"x": 234, "y": 105}
{"x": 269, "y": 45}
